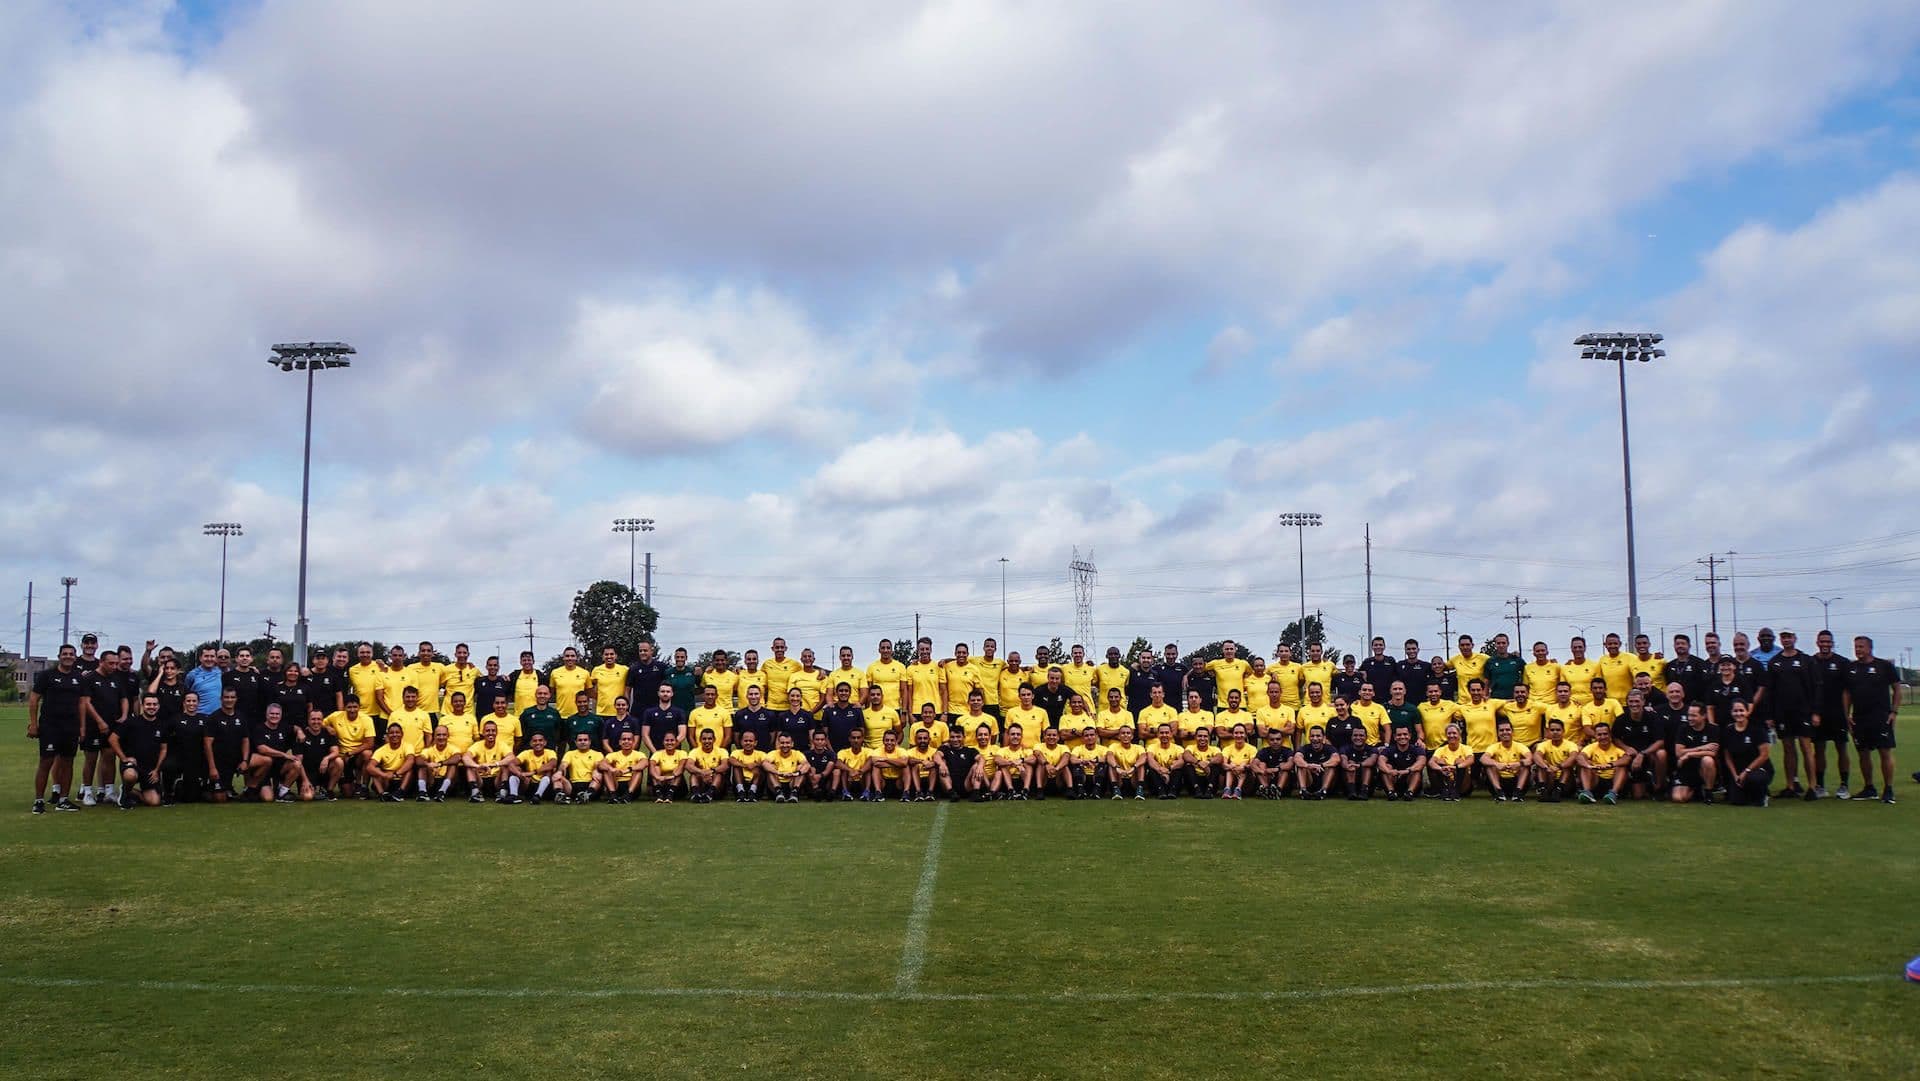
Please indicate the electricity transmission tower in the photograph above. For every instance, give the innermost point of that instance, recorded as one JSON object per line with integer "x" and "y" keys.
{"x": 1084, "y": 575}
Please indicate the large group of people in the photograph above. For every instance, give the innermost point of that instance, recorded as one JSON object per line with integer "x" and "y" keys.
{"x": 1592, "y": 727}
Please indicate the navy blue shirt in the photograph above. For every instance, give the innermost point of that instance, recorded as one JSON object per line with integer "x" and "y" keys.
{"x": 757, "y": 721}
{"x": 1416, "y": 674}
{"x": 658, "y": 722}
{"x": 841, "y": 722}
{"x": 797, "y": 723}
{"x": 644, "y": 680}
{"x": 1381, "y": 672}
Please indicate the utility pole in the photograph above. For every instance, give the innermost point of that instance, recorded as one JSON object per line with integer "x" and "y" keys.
{"x": 1446, "y": 625}
{"x": 1733, "y": 591}
{"x": 66, "y": 609}
{"x": 1713, "y": 580}
{"x": 530, "y": 637}
{"x": 648, "y": 581}
{"x": 1084, "y": 576}
{"x": 1368, "y": 533}
{"x": 270, "y": 626}
{"x": 1003, "y": 602}
{"x": 1519, "y": 636}
{"x": 26, "y": 652}
{"x": 308, "y": 357}
{"x": 916, "y": 630}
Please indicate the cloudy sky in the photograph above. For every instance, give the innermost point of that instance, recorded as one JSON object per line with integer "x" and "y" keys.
{"x": 857, "y": 299}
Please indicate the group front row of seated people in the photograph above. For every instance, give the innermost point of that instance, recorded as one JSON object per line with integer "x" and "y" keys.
{"x": 1680, "y": 745}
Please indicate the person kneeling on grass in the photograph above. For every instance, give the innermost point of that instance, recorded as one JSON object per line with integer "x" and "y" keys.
{"x": 926, "y": 772}
{"x": 1052, "y": 766}
{"x": 1317, "y": 765}
{"x": 1696, "y": 757}
{"x": 1506, "y": 764}
{"x": 1747, "y": 758}
{"x": 624, "y": 769}
{"x": 707, "y": 769}
{"x": 1272, "y": 767}
{"x": 1604, "y": 763}
{"x": 580, "y": 770}
{"x": 1087, "y": 762}
{"x": 436, "y": 766}
{"x": 743, "y": 765}
{"x": 390, "y": 765}
{"x": 1014, "y": 762}
{"x": 789, "y": 772}
{"x": 1166, "y": 764}
{"x": 1451, "y": 764}
{"x": 1127, "y": 767}
{"x": 667, "y": 768}
{"x": 532, "y": 770}
{"x": 141, "y": 745}
{"x": 1357, "y": 760}
{"x": 485, "y": 765}
{"x": 1401, "y": 765}
{"x": 1553, "y": 762}
{"x": 272, "y": 767}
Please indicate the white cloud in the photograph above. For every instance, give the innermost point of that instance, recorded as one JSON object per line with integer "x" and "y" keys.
{"x": 920, "y": 467}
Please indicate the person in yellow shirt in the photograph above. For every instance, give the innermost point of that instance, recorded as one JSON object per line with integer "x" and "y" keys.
{"x": 1053, "y": 765}
{"x": 507, "y": 724}
{"x": 1078, "y": 675}
{"x": 853, "y": 769}
{"x": 1579, "y": 672}
{"x": 779, "y": 669}
{"x": 427, "y": 675}
{"x": 1193, "y": 720}
{"x": 1564, "y": 710}
{"x": 1645, "y": 662}
{"x": 1274, "y": 715}
{"x": 889, "y": 769}
{"x": 1507, "y": 763}
{"x": 433, "y": 772}
{"x": 1087, "y": 761}
{"x": 1258, "y": 679}
{"x": 1166, "y": 763}
{"x": 1126, "y": 767}
{"x": 1109, "y": 677}
{"x": 1077, "y": 719}
{"x": 389, "y": 766}
{"x": 1466, "y": 666}
{"x": 1012, "y": 678}
{"x": 1480, "y": 714}
{"x": 749, "y": 675}
{"x": 786, "y": 769}
{"x": 935, "y": 728}
{"x": 580, "y": 771}
{"x": 1600, "y": 763}
{"x": 926, "y": 774}
{"x": 706, "y": 768}
{"x": 1616, "y": 669}
{"x": 960, "y": 677}
{"x": 719, "y": 674}
{"x": 855, "y": 679}
{"x": 809, "y": 681}
{"x": 891, "y": 677}
{"x": 608, "y": 681}
{"x": 367, "y": 677}
{"x": 1233, "y": 713}
{"x": 1371, "y": 715}
{"x": 1451, "y": 764}
{"x": 992, "y": 666}
{"x": 1436, "y": 713}
{"x": 524, "y": 683}
{"x": 1013, "y": 765}
{"x": 745, "y": 762}
{"x": 1553, "y": 761}
{"x": 1317, "y": 713}
{"x": 1029, "y": 717}
{"x": 880, "y": 720}
{"x": 567, "y": 681}
{"x": 462, "y": 727}
{"x": 1597, "y": 709}
{"x": 533, "y": 768}
{"x": 355, "y": 733}
{"x": 1236, "y": 758}
{"x": 1229, "y": 671}
{"x": 1288, "y": 675}
{"x": 1317, "y": 672}
{"x": 393, "y": 680}
{"x": 624, "y": 769}
{"x": 710, "y": 716}
{"x": 667, "y": 768}
{"x": 485, "y": 764}
{"x": 925, "y": 681}
{"x": 1155, "y": 713}
{"x": 1541, "y": 675}
{"x": 1527, "y": 718}
{"x": 416, "y": 723}
{"x": 1203, "y": 765}
{"x": 1110, "y": 720}
{"x": 461, "y": 675}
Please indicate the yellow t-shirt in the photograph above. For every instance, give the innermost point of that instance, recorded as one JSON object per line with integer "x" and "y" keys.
{"x": 1481, "y": 722}
{"x": 1594, "y": 713}
{"x": 1238, "y": 754}
{"x": 455, "y": 679}
{"x": 1079, "y": 680}
{"x": 810, "y": 690}
{"x": 579, "y": 765}
{"x": 1229, "y": 675}
{"x": 390, "y": 758}
{"x": 1569, "y": 717}
{"x": 1031, "y": 719}
{"x": 462, "y": 730}
{"x": 507, "y": 727}
{"x": 609, "y": 683}
{"x": 1109, "y": 677}
{"x": 1373, "y": 717}
{"x": 702, "y": 719}
{"x": 1434, "y": 718}
{"x": 1152, "y": 717}
{"x": 393, "y": 683}
{"x": 922, "y": 760}
{"x": 962, "y": 680}
{"x": 756, "y": 678}
{"x": 1452, "y": 757}
{"x": 878, "y": 723}
{"x": 1604, "y": 758}
{"x": 723, "y": 682}
{"x": 779, "y": 679}
{"x": 1191, "y": 721}
{"x": 855, "y": 761}
{"x": 747, "y": 763}
{"x": 1110, "y": 722}
{"x": 365, "y": 679}
{"x": 1511, "y": 754}
{"x": 889, "y": 674}
{"x": 936, "y": 734}
{"x": 1581, "y": 677}
{"x": 624, "y": 763}
{"x": 355, "y": 734}
{"x": 1126, "y": 755}
{"x": 786, "y": 765}
{"x": 709, "y": 760}
{"x": 1309, "y": 717}
{"x": 424, "y": 678}
{"x": 567, "y": 682}
{"x": 1086, "y": 759}
{"x": 1011, "y": 680}
{"x": 1528, "y": 723}
{"x": 1289, "y": 677}
{"x": 1010, "y": 757}
{"x": 490, "y": 758}
{"x": 416, "y": 727}
{"x": 1465, "y": 667}
{"x": 1169, "y": 756}
{"x": 1321, "y": 673}
{"x": 1654, "y": 667}
{"x": 1052, "y": 756}
{"x": 856, "y": 681}
{"x": 1270, "y": 718}
{"x": 538, "y": 762}
{"x": 436, "y": 759}
{"x": 1617, "y": 670}
{"x": 669, "y": 762}
{"x": 926, "y": 680}
{"x": 1541, "y": 680}
{"x": 969, "y": 727}
{"x": 524, "y": 685}
{"x": 1225, "y": 719}
{"x": 1558, "y": 754}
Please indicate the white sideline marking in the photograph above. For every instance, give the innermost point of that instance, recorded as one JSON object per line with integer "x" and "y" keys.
{"x": 1063, "y": 997}
{"x": 913, "y": 950}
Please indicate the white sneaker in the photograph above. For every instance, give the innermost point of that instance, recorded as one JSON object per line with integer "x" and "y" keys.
{"x": 86, "y": 798}
{"x": 1820, "y": 791}
{"x": 1842, "y": 793}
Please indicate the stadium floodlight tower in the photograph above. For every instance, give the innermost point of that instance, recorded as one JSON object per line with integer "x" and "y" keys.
{"x": 1300, "y": 520}
{"x": 308, "y": 357}
{"x": 1621, "y": 347}
{"x": 223, "y": 530}
{"x": 633, "y": 527}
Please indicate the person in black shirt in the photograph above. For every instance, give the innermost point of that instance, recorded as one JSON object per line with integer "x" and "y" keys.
{"x": 1052, "y": 696}
{"x": 1379, "y": 669}
{"x": 271, "y": 764}
{"x": 1696, "y": 757}
{"x": 1692, "y": 673}
{"x": 1401, "y": 766}
{"x": 53, "y": 719}
{"x": 320, "y": 762}
{"x": 1316, "y": 766}
{"x": 491, "y": 685}
{"x": 103, "y": 709}
{"x": 1746, "y": 755}
{"x": 1140, "y": 684}
{"x": 1872, "y": 695}
{"x": 820, "y": 763}
{"x": 226, "y": 745}
{"x": 1792, "y": 690}
{"x": 291, "y": 696}
{"x": 1273, "y": 765}
{"x": 170, "y": 687}
{"x": 754, "y": 717}
{"x": 842, "y": 719}
{"x": 1830, "y": 715}
{"x": 1200, "y": 679}
{"x": 141, "y": 745}
{"x": 959, "y": 757}
{"x": 1356, "y": 764}
{"x": 88, "y": 660}
{"x": 1645, "y": 740}
{"x": 1347, "y": 681}
{"x": 659, "y": 719}
{"x": 1725, "y": 690}
{"x": 796, "y": 721}
{"x": 1414, "y": 672}
{"x": 1170, "y": 675}
{"x": 1340, "y": 730}
{"x": 646, "y": 674}
{"x": 185, "y": 776}
{"x": 250, "y": 684}
{"x": 326, "y": 688}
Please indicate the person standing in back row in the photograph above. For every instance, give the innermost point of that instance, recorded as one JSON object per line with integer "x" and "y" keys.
{"x": 1873, "y": 698}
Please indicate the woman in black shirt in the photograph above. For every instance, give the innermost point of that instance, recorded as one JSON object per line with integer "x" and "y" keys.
{"x": 1744, "y": 746}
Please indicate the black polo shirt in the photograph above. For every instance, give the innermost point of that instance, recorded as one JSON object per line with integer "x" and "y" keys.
{"x": 1401, "y": 757}
{"x": 1318, "y": 755}
{"x": 487, "y": 690}
{"x": 186, "y": 740}
{"x": 280, "y": 739}
{"x": 1340, "y": 732}
{"x": 314, "y": 750}
{"x": 1416, "y": 674}
{"x": 249, "y": 689}
{"x": 959, "y": 761}
{"x": 797, "y": 723}
{"x": 1168, "y": 676}
{"x": 1381, "y": 672}
{"x": 1830, "y": 679}
{"x": 1054, "y": 702}
{"x": 758, "y": 721}
{"x": 104, "y": 692}
{"x": 1870, "y": 683}
{"x": 327, "y": 689}
{"x": 1689, "y": 737}
{"x": 840, "y": 723}
{"x": 1694, "y": 674}
{"x": 1742, "y": 747}
{"x": 141, "y": 740}
{"x": 60, "y": 694}
{"x": 1274, "y": 757}
{"x": 292, "y": 702}
{"x": 658, "y": 721}
{"x": 1793, "y": 684}
{"x": 1640, "y": 735}
{"x": 1207, "y": 685}
{"x": 173, "y": 699}
{"x": 644, "y": 680}
{"x": 1721, "y": 696}
{"x": 228, "y": 732}
{"x": 1140, "y": 689}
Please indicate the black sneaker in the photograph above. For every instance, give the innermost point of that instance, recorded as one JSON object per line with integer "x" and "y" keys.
{"x": 1868, "y": 792}
{"x": 1887, "y": 796}
{"x": 65, "y": 804}
{"x": 39, "y": 806}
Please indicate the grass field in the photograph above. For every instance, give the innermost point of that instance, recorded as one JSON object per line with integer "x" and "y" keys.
{"x": 1138, "y": 940}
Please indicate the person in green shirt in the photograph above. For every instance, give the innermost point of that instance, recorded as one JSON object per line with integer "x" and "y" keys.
{"x": 685, "y": 681}
{"x": 1504, "y": 669}
{"x": 1401, "y": 713}
{"x": 542, "y": 719}
{"x": 587, "y": 724}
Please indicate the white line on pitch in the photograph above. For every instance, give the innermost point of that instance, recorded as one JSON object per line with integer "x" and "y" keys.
{"x": 913, "y": 948}
{"x": 809, "y": 995}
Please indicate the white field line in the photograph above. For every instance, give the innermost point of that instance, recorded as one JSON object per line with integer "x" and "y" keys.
{"x": 822, "y": 995}
{"x": 913, "y": 948}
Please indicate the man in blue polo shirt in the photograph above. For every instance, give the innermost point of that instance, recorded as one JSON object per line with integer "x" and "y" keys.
{"x": 206, "y": 680}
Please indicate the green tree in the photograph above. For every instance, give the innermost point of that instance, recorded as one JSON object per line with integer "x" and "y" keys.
{"x": 609, "y": 614}
{"x": 1140, "y": 647}
{"x": 1212, "y": 651}
{"x": 1316, "y": 635}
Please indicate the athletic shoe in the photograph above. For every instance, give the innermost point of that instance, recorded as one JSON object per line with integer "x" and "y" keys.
{"x": 1585, "y": 796}
{"x": 1868, "y": 792}
{"x": 1612, "y": 800}
{"x": 1819, "y": 791}
{"x": 1765, "y": 800}
{"x": 474, "y": 797}
{"x": 422, "y": 798}
{"x": 439, "y": 797}
{"x": 1841, "y": 792}
{"x": 391, "y": 797}
{"x": 1812, "y": 794}
{"x": 39, "y": 806}
{"x": 86, "y": 798}
{"x": 65, "y": 804}
{"x": 1790, "y": 792}
{"x": 1887, "y": 797}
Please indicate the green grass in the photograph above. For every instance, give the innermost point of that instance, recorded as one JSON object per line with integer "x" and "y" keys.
{"x": 1064, "y": 939}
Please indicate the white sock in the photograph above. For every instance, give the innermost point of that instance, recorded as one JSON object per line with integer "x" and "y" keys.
{"x": 446, "y": 785}
{"x": 513, "y": 786}
{"x": 545, "y": 783}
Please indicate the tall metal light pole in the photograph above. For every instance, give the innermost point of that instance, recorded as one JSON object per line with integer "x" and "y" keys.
{"x": 308, "y": 357}
{"x": 223, "y": 530}
{"x": 66, "y": 609}
{"x": 1733, "y": 590}
{"x": 1826, "y": 610}
{"x": 1003, "y": 602}
{"x": 1621, "y": 347}
{"x": 633, "y": 527}
{"x": 1300, "y": 520}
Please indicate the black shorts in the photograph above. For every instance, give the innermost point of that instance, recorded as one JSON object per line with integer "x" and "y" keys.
{"x": 1831, "y": 729}
{"x": 1795, "y": 724}
{"x": 1873, "y": 735}
{"x": 59, "y": 741}
{"x": 94, "y": 740}
{"x": 1688, "y": 775}
{"x": 146, "y": 775}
